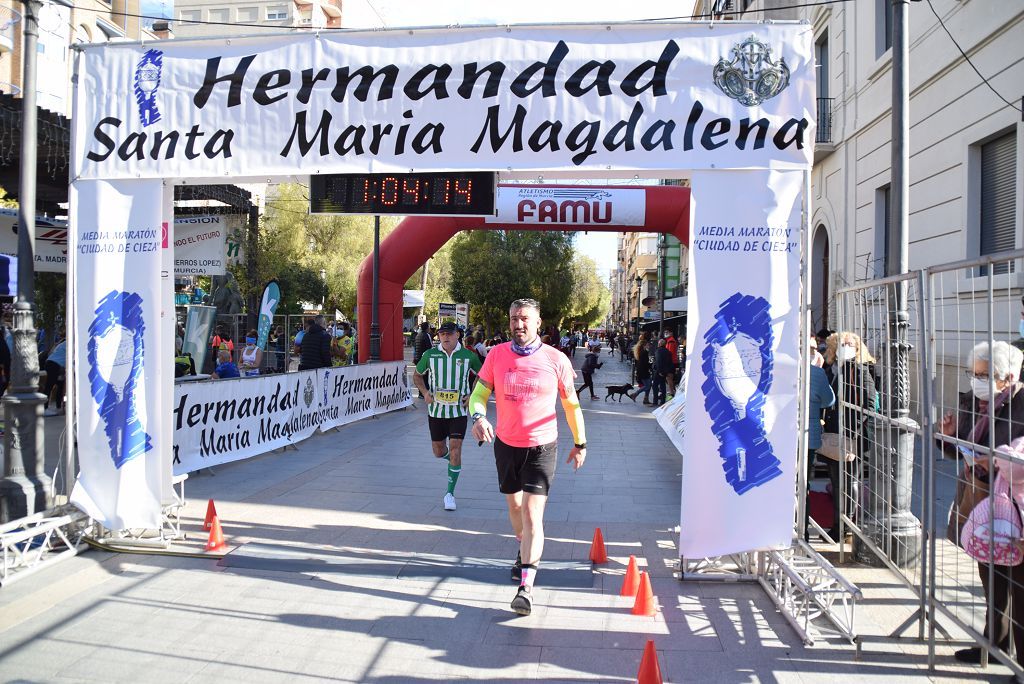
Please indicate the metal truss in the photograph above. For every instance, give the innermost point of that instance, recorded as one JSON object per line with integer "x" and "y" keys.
{"x": 802, "y": 584}
{"x": 30, "y": 544}
{"x": 170, "y": 524}
{"x": 805, "y": 586}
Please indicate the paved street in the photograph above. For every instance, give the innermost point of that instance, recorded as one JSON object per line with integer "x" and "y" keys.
{"x": 373, "y": 491}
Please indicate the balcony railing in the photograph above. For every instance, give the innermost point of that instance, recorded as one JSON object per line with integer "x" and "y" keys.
{"x": 824, "y": 133}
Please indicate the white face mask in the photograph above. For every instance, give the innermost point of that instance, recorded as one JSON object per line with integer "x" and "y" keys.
{"x": 845, "y": 354}
{"x": 980, "y": 388}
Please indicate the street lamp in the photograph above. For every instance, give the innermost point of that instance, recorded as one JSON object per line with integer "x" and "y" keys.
{"x": 323, "y": 292}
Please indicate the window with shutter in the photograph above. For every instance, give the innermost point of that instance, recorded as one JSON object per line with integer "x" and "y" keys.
{"x": 997, "y": 202}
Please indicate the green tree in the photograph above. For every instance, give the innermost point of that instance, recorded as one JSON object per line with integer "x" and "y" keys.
{"x": 590, "y": 299}
{"x": 295, "y": 245}
{"x": 490, "y": 269}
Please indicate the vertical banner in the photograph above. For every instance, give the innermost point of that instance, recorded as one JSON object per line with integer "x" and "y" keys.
{"x": 119, "y": 237}
{"x": 198, "y": 326}
{"x": 268, "y": 305}
{"x": 741, "y": 415}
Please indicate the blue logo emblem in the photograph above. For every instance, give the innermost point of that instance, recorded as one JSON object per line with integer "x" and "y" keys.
{"x": 147, "y": 83}
{"x": 737, "y": 362}
{"x": 115, "y": 354}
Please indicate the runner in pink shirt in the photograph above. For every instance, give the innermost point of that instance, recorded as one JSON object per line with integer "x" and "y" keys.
{"x": 526, "y": 376}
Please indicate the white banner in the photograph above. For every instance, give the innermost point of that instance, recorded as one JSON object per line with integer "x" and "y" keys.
{"x": 200, "y": 245}
{"x": 51, "y": 240}
{"x": 578, "y": 205}
{"x": 118, "y": 243}
{"x": 741, "y": 411}
{"x": 651, "y": 97}
{"x": 413, "y": 298}
{"x": 226, "y": 420}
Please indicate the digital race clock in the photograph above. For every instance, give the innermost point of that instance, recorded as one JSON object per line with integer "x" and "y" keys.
{"x": 432, "y": 194}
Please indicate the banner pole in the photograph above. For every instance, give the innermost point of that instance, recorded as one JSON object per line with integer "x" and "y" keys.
{"x": 375, "y": 304}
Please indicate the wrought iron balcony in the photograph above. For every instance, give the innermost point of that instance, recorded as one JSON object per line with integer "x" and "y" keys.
{"x": 824, "y": 133}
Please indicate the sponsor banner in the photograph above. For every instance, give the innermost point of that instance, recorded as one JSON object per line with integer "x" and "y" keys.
{"x": 51, "y": 241}
{"x": 200, "y": 245}
{"x": 228, "y": 420}
{"x": 462, "y": 315}
{"x": 445, "y": 311}
{"x": 577, "y": 205}
{"x": 118, "y": 244}
{"x": 268, "y": 305}
{"x": 645, "y": 97}
{"x": 671, "y": 416}
{"x": 741, "y": 432}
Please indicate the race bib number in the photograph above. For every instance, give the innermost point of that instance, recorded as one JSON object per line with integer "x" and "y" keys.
{"x": 446, "y": 397}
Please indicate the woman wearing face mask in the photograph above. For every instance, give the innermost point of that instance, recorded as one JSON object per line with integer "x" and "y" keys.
{"x": 971, "y": 424}
{"x": 848, "y": 358}
{"x": 252, "y": 356}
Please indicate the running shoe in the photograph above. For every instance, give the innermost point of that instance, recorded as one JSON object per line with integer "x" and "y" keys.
{"x": 517, "y": 569}
{"x": 523, "y": 602}
{"x": 449, "y": 502}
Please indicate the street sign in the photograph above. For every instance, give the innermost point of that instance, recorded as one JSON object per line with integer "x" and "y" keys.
{"x": 469, "y": 193}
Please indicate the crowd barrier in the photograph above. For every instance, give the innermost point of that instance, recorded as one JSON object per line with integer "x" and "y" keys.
{"x": 898, "y": 494}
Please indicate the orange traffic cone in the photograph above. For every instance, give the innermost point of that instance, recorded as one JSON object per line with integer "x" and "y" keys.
{"x": 645, "y": 603}
{"x": 631, "y": 583}
{"x": 211, "y": 513}
{"x": 597, "y": 552}
{"x": 216, "y": 540}
{"x": 650, "y": 671}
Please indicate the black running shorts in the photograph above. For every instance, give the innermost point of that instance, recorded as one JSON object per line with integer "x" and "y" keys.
{"x": 525, "y": 469}
{"x": 446, "y": 428}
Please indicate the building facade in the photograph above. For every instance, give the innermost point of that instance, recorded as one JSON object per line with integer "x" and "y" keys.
{"x": 236, "y": 17}
{"x": 966, "y": 136}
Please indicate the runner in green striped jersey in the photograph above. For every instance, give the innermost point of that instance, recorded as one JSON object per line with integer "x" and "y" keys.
{"x": 449, "y": 367}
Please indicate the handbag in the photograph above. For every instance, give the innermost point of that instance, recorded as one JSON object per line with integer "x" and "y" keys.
{"x": 837, "y": 447}
{"x": 993, "y": 529}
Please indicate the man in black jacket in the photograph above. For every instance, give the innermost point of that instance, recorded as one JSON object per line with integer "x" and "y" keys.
{"x": 316, "y": 346}
{"x": 422, "y": 343}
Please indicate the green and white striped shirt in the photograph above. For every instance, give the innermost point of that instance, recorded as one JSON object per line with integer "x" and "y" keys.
{"x": 449, "y": 379}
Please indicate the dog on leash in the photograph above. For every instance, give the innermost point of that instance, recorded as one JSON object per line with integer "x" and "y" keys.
{"x": 617, "y": 389}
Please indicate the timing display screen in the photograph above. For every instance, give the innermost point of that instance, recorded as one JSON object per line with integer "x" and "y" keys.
{"x": 409, "y": 194}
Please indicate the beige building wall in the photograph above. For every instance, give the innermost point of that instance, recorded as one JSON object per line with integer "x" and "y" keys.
{"x": 238, "y": 17}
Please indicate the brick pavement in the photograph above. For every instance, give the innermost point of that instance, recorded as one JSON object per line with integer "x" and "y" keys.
{"x": 374, "y": 488}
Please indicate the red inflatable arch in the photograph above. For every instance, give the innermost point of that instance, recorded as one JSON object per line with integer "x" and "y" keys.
{"x": 417, "y": 238}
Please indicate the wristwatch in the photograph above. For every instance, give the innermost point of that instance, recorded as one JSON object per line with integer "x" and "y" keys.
{"x": 580, "y": 446}
{"x": 478, "y": 416}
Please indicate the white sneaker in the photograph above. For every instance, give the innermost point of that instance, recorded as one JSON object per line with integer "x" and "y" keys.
{"x": 449, "y": 502}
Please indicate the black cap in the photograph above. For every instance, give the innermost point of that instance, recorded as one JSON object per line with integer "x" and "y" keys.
{"x": 448, "y": 326}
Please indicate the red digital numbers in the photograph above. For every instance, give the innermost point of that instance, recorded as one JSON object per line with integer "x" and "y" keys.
{"x": 463, "y": 191}
{"x": 389, "y": 191}
{"x": 367, "y": 191}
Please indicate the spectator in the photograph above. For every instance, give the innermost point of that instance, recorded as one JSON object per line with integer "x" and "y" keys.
{"x": 663, "y": 368}
{"x": 998, "y": 369}
{"x": 316, "y": 346}
{"x": 847, "y": 358}
{"x": 611, "y": 345}
{"x": 624, "y": 343}
{"x": 280, "y": 343}
{"x": 642, "y": 364}
{"x": 252, "y": 356}
{"x": 56, "y": 364}
{"x": 226, "y": 368}
{"x": 673, "y": 350}
{"x": 821, "y": 397}
{"x": 299, "y": 336}
{"x": 590, "y": 366}
{"x": 422, "y": 343}
{"x": 817, "y": 359}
